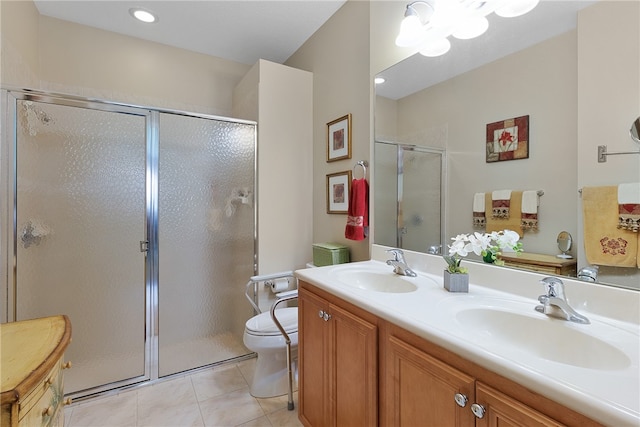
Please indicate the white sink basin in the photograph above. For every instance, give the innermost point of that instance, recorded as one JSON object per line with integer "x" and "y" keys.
{"x": 544, "y": 337}
{"x": 378, "y": 279}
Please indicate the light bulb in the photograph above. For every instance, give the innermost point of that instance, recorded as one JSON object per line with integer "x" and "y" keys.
{"x": 435, "y": 47}
{"x": 411, "y": 32}
{"x": 471, "y": 27}
{"x": 515, "y": 8}
{"x": 143, "y": 15}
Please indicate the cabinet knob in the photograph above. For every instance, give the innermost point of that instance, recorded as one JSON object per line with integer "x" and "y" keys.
{"x": 461, "y": 400}
{"x": 324, "y": 315}
{"x": 67, "y": 401}
{"x": 48, "y": 382}
{"x": 66, "y": 365}
{"x": 48, "y": 411}
{"x": 478, "y": 410}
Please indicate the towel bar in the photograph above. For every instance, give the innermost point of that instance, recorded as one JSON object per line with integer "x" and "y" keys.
{"x": 364, "y": 165}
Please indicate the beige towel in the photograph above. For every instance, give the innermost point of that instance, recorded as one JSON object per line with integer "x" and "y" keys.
{"x": 511, "y": 223}
{"x": 530, "y": 201}
{"x": 604, "y": 243}
{"x": 479, "y": 216}
{"x": 501, "y": 203}
{"x": 629, "y": 206}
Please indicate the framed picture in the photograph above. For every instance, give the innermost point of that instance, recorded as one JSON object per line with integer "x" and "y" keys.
{"x": 508, "y": 140}
{"x": 338, "y": 192}
{"x": 339, "y": 139}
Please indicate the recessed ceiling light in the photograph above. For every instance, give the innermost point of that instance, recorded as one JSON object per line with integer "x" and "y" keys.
{"x": 379, "y": 80}
{"x": 143, "y": 15}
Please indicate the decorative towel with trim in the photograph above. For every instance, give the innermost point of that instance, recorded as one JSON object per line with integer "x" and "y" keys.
{"x": 629, "y": 206}
{"x": 358, "y": 216}
{"x": 501, "y": 203}
{"x": 529, "y": 217}
{"x": 604, "y": 242}
{"x": 479, "y": 215}
{"x": 511, "y": 223}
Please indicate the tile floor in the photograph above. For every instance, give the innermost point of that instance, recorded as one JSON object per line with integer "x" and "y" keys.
{"x": 217, "y": 397}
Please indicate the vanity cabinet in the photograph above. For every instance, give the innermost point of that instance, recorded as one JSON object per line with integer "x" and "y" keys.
{"x": 356, "y": 369}
{"x": 424, "y": 384}
{"x": 32, "y": 371}
{"x": 338, "y": 370}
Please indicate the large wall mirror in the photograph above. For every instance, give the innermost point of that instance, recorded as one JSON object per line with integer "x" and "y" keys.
{"x": 571, "y": 68}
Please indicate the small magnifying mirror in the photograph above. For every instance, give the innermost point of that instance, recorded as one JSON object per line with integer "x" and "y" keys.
{"x": 564, "y": 244}
{"x": 634, "y": 132}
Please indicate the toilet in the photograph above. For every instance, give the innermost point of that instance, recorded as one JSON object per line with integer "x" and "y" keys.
{"x": 262, "y": 336}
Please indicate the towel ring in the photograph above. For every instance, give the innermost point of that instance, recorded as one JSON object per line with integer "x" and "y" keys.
{"x": 364, "y": 165}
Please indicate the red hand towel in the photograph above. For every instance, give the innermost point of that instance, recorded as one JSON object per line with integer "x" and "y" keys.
{"x": 358, "y": 219}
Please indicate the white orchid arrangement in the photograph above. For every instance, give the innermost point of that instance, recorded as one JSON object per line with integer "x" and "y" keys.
{"x": 487, "y": 245}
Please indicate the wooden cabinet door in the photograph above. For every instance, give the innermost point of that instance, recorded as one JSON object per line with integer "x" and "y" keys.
{"x": 314, "y": 349}
{"x": 504, "y": 411}
{"x": 421, "y": 390}
{"x": 354, "y": 368}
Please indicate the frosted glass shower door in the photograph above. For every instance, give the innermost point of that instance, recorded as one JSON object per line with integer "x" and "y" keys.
{"x": 421, "y": 208}
{"x": 205, "y": 239}
{"x": 80, "y": 217}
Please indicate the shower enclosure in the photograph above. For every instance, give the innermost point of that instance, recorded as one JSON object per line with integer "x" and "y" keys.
{"x": 409, "y": 196}
{"x": 137, "y": 223}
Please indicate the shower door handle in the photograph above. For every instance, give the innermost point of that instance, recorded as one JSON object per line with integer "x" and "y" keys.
{"x": 144, "y": 246}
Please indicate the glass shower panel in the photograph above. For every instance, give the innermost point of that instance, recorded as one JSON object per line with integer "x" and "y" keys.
{"x": 386, "y": 194}
{"x": 421, "y": 199}
{"x": 80, "y": 218}
{"x": 205, "y": 240}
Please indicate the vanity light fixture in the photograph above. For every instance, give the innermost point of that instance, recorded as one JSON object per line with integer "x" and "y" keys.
{"x": 429, "y": 23}
{"x": 143, "y": 15}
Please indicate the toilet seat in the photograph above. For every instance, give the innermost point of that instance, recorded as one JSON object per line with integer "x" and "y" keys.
{"x": 263, "y": 324}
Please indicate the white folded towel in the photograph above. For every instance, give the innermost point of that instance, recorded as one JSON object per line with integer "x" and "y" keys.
{"x": 629, "y": 193}
{"x": 501, "y": 195}
{"x": 478, "y": 202}
{"x": 530, "y": 202}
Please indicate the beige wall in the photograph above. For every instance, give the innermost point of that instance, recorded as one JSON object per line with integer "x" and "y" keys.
{"x": 279, "y": 98}
{"x": 338, "y": 56}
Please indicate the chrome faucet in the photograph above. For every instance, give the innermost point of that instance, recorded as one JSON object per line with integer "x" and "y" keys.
{"x": 399, "y": 264}
{"x": 554, "y": 302}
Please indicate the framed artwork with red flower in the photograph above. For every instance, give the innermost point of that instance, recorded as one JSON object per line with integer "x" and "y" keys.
{"x": 508, "y": 139}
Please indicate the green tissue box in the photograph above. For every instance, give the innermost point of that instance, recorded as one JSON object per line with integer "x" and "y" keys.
{"x": 329, "y": 254}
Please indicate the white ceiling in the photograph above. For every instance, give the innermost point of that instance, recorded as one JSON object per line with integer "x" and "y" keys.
{"x": 237, "y": 30}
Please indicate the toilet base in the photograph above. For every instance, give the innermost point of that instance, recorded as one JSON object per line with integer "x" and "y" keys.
{"x": 271, "y": 376}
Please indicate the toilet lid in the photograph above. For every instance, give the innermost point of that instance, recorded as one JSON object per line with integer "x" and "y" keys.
{"x": 263, "y": 324}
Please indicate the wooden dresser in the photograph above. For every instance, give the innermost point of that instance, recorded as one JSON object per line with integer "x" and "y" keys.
{"x": 31, "y": 371}
{"x": 541, "y": 263}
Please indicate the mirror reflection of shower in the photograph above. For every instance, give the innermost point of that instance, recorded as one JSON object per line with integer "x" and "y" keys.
{"x": 409, "y": 196}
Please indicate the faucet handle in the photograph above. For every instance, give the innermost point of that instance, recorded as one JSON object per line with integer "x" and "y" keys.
{"x": 554, "y": 287}
{"x": 398, "y": 255}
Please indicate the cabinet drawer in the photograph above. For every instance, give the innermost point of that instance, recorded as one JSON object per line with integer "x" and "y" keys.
{"x": 48, "y": 393}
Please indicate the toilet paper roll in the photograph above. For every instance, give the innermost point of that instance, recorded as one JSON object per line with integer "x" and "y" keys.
{"x": 279, "y": 285}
